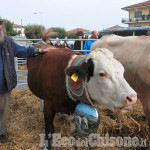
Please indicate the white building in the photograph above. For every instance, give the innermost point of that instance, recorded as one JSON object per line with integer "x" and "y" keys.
{"x": 19, "y": 28}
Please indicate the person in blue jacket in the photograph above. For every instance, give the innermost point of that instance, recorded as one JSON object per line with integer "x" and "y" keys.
{"x": 8, "y": 78}
{"x": 88, "y": 44}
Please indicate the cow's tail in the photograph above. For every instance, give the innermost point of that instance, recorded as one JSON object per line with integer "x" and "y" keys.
{"x": 47, "y": 34}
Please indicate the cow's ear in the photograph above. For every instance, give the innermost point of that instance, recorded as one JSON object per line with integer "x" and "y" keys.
{"x": 82, "y": 71}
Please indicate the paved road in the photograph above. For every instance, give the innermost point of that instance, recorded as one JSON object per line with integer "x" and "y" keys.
{"x": 22, "y": 80}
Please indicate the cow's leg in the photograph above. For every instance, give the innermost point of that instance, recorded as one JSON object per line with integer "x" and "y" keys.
{"x": 49, "y": 126}
{"x": 145, "y": 99}
{"x": 146, "y": 107}
{"x": 147, "y": 112}
{"x": 148, "y": 147}
{"x": 149, "y": 125}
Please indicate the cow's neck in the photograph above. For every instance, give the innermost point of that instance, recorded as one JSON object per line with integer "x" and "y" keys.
{"x": 77, "y": 90}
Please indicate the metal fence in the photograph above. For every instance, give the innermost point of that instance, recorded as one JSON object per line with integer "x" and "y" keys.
{"x": 28, "y": 42}
{"x": 22, "y": 74}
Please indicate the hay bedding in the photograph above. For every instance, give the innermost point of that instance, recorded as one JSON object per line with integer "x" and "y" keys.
{"x": 22, "y": 67}
{"x": 25, "y": 122}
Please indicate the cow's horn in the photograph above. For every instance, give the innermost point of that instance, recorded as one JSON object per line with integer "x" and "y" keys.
{"x": 87, "y": 58}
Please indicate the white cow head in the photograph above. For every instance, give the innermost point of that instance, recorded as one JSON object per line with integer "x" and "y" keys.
{"x": 105, "y": 81}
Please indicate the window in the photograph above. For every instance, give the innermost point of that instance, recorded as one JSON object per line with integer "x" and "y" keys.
{"x": 138, "y": 14}
{"x": 136, "y": 25}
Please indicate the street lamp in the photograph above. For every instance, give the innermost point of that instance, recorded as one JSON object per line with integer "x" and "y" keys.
{"x": 41, "y": 16}
{"x": 21, "y": 28}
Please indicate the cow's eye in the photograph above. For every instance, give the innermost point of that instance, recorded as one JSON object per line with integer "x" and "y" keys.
{"x": 103, "y": 75}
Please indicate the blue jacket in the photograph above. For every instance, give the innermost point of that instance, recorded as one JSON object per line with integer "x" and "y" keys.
{"x": 87, "y": 46}
{"x": 19, "y": 51}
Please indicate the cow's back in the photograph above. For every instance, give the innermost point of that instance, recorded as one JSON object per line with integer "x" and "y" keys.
{"x": 46, "y": 77}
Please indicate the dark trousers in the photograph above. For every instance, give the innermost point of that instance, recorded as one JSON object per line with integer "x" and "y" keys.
{"x": 4, "y": 103}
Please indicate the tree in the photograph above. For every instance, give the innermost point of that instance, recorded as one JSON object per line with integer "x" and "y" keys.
{"x": 72, "y": 36}
{"x": 34, "y": 31}
{"x": 9, "y": 28}
{"x": 61, "y": 32}
{"x": 19, "y": 32}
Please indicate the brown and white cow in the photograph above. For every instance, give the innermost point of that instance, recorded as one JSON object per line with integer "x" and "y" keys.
{"x": 134, "y": 53}
{"x": 103, "y": 74}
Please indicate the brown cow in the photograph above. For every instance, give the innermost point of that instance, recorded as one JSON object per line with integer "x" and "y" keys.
{"x": 46, "y": 79}
{"x": 134, "y": 53}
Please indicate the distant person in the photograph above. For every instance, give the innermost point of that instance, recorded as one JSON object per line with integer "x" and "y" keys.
{"x": 65, "y": 45}
{"x": 77, "y": 44}
{"x": 46, "y": 34}
{"x": 87, "y": 46}
{"x": 86, "y": 37}
{"x": 100, "y": 36}
{"x": 50, "y": 43}
{"x": 58, "y": 44}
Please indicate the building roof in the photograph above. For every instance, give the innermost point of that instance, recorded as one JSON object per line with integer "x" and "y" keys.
{"x": 143, "y": 4}
{"x": 126, "y": 29}
{"x": 114, "y": 27}
{"x": 77, "y": 29}
{"x": 110, "y": 28}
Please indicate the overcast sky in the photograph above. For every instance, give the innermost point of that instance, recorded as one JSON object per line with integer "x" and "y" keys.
{"x": 69, "y": 14}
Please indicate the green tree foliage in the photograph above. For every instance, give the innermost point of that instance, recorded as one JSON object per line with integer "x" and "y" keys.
{"x": 34, "y": 31}
{"x": 19, "y": 32}
{"x": 9, "y": 28}
{"x": 72, "y": 36}
{"x": 61, "y": 32}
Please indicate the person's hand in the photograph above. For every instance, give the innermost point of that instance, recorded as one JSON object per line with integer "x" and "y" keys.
{"x": 39, "y": 51}
{"x": 45, "y": 50}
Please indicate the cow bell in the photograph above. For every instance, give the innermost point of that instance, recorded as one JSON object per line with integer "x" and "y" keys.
{"x": 87, "y": 118}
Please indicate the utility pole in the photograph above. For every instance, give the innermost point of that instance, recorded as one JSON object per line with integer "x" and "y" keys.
{"x": 21, "y": 28}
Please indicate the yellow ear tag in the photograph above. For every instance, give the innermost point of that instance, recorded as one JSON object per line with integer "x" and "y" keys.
{"x": 74, "y": 77}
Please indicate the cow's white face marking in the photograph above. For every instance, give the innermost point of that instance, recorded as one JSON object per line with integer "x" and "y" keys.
{"x": 107, "y": 87}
